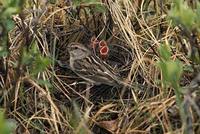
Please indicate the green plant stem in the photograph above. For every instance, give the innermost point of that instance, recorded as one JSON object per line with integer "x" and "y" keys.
{"x": 179, "y": 101}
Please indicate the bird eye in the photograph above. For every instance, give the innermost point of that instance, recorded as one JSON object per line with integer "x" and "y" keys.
{"x": 75, "y": 47}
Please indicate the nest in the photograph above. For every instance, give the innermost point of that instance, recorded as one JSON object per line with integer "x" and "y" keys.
{"x": 49, "y": 29}
{"x": 55, "y": 27}
{"x": 39, "y": 88}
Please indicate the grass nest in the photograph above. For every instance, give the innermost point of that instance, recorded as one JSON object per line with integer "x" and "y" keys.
{"x": 58, "y": 101}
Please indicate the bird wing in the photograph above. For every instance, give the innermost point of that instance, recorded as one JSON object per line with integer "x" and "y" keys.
{"x": 95, "y": 71}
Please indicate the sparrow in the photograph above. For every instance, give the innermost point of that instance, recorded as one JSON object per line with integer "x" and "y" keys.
{"x": 90, "y": 67}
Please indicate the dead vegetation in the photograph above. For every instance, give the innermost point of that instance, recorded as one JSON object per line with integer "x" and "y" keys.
{"x": 56, "y": 100}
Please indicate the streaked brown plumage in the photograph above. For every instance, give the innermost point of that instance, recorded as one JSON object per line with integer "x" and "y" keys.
{"x": 90, "y": 67}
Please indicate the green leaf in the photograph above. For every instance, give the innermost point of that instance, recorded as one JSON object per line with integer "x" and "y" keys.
{"x": 3, "y": 51}
{"x": 9, "y": 24}
{"x": 10, "y": 10}
{"x": 5, "y": 3}
{"x": 40, "y": 64}
{"x": 76, "y": 115}
{"x": 79, "y": 2}
{"x": 76, "y": 119}
{"x": 34, "y": 60}
{"x": 182, "y": 14}
{"x": 174, "y": 69}
{"x": 100, "y": 8}
{"x": 6, "y": 127}
{"x": 76, "y": 3}
{"x": 164, "y": 51}
{"x": 27, "y": 58}
{"x": 197, "y": 17}
{"x": 90, "y": 1}
{"x": 171, "y": 70}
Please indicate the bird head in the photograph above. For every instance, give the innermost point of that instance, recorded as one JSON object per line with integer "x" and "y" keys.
{"x": 77, "y": 51}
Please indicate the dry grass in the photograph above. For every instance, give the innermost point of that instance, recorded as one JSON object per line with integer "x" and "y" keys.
{"x": 136, "y": 29}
